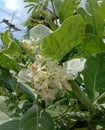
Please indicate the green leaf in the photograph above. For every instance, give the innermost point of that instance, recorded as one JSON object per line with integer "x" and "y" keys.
{"x": 4, "y": 114}
{"x": 65, "y": 8}
{"x": 7, "y": 80}
{"x": 30, "y": 5}
{"x": 10, "y": 125}
{"x": 10, "y": 53}
{"x": 5, "y": 38}
{"x": 96, "y": 20}
{"x": 91, "y": 5}
{"x": 4, "y": 118}
{"x": 83, "y": 13}
{"x": 3, "y": 105}
{"x": 6, "y": 121}
{"x": 9, "y": 57}
{"x": 101, "y": 98}
{"x": 59, "y": 43}
{"x": 53, "y": 27}
{"x": 36, "y": 119}
{"x": 102, "y": 9}
{"x": 8, "y": 62}
{"x": 11, "y": 108}
{"x": 13, "y": 49}
{"x": 94, "y": 75}
{"x": 98, "y": 123}
{"x": 80, "y": 116}
{"x": 60, "y": 107}
{"x": 91, "y": 44}
{"x": 82, "y": 97}
{"x": 27, "y": 91}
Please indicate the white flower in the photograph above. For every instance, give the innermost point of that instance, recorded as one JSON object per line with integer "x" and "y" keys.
{"x": 48, "y": 77}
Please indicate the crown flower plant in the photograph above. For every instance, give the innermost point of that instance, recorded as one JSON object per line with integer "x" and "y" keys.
{"x": 55, "y": 80}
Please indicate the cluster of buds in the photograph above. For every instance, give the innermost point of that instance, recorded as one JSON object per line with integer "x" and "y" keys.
{"x": 31, "y": 46}
{"x": 48, "y": 77}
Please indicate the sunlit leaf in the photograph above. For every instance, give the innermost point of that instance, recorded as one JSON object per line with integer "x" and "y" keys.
{"x": 59, "y": 43}
{"x": 65, "y": 8}
{"x": 5, "y": 38}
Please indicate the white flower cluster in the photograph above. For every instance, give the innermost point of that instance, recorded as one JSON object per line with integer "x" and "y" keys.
{"x": 48, "y": 77}
{"x": 31, "y": 46}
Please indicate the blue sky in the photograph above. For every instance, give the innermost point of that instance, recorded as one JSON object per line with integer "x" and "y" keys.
{"x": 14, "y": 11}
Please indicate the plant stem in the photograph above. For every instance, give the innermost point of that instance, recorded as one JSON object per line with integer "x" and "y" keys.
{"x": 82, "y": 97}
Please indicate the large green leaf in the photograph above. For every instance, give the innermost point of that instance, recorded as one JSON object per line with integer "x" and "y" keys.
{"x": 10, "y": 52}
{"x": 59, "y": 43}
{"x": 10, "y": 125}
{"x": 90, "y": 44}
{"x": 65, "y": 8}
{"x": 97, "y": 22}
{"x": 94, "y": 75}
{"x": 36, "y": 119}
